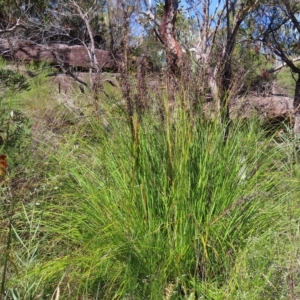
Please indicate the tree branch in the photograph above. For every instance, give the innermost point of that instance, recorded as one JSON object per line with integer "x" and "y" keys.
{"x": 18, "y": 24}
{"x": 273, "y": 70}
{"x": 151, "y": 17}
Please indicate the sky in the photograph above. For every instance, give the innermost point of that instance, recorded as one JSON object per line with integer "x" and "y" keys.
{"x": 183, "y": 3}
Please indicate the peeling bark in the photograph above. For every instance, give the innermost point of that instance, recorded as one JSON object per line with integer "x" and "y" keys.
{"x": 167, "y": 33}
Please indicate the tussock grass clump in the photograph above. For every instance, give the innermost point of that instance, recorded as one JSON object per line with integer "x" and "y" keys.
{"x": 162, "y": 211}
{"x": 158, "y": 206}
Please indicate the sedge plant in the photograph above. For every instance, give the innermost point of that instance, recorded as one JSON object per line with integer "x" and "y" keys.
{"x": 158, "y": 210}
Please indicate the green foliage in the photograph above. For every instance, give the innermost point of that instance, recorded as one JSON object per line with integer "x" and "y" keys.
{"x": 14, "y": 126}
{"x": 26, "y": 223}
{"x": 286, "y": 80}
{"x": 13, "y": 81}
{"x": 14, "y": 129}
{"x": 168, "y": 212}
{"x": 171, "y": 209}
{"x": 10, "y": 10}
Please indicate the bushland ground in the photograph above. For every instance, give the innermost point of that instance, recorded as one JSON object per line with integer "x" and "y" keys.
{"x": 159, "y": 204}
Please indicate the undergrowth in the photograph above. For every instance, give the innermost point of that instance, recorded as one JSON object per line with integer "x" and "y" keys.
{"x": 152, "y": 209}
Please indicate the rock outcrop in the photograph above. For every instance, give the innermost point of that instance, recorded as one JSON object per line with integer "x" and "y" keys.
{"x": 55, "y": 54}
{"x": 269, "y": 107}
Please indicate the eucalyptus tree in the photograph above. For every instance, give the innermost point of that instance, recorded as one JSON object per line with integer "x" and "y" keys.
{"x": 212, "y": 35}
{"x": 55, "y": 21}
{"x": 216, "y": 33}
{"x": 276, "y": 27}
{"x": 21, "y": 14}
{"x": 164, "y": 27}
{"x": 10, "y": 11}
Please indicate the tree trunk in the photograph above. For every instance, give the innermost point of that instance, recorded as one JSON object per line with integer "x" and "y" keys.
{"x": 297, "y": 107}
{"x": 225, "y": 87}
{"x": 91, "y": 50}
{"x": 167, "y": 32}
{"x": 125, "y": 38}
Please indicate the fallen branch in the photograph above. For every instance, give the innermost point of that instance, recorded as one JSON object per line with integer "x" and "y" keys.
{"x": 18, "y": 24}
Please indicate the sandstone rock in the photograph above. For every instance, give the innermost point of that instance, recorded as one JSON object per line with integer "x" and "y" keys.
{"x": 55, "y": 54}
{"x": 268, "y": 107}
